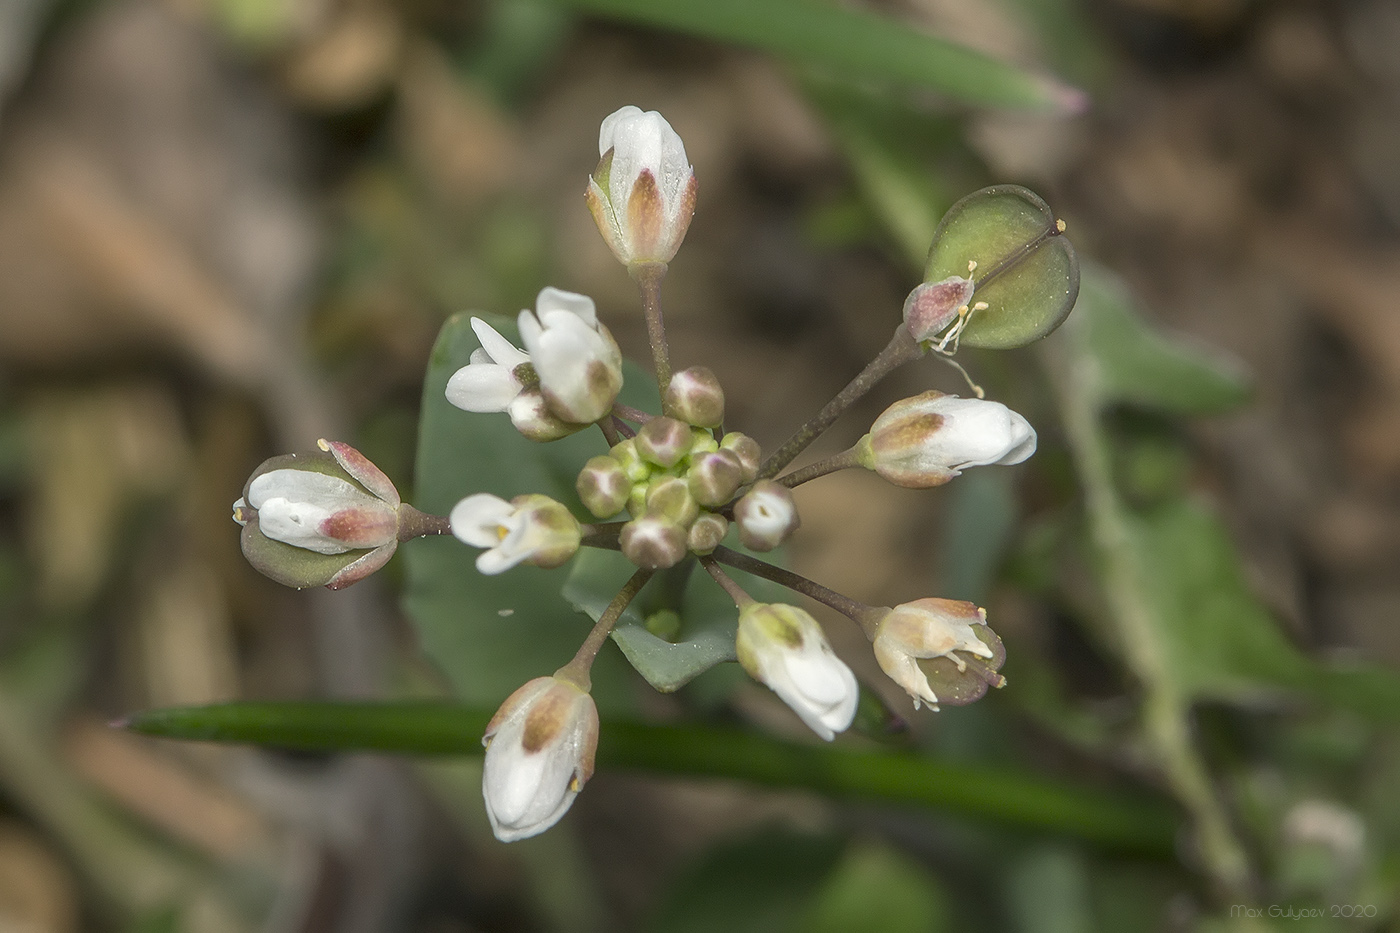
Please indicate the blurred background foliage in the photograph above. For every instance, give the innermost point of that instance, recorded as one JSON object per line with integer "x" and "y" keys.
{"x": 230, "y": 227}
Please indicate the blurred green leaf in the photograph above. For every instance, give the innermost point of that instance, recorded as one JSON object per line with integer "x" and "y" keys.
{"x": 852, "y": 43}
{"x": 1026, "y": 272}
{"x": 981, "y": 518}
{"x": 490, "y": 634}
{"x": 1122, "y": 822}
{"x": 875, "y": 889}
{"x": 755, "y": 885}
{"x": 1137, "y": 364}
{"x": 1048, "y": 891}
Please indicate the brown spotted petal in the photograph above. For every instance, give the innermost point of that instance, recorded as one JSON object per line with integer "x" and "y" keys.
{"x": 540, "y": 747}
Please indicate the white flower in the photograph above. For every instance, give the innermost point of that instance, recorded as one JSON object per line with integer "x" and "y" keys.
{"x": 642, "y": 194}
{"x": 318, "y": 512}
{"x": 539, "y": 754}
{"x": 490, "y": 381}
{"x": 784, "y": 647}
{"x": 931, "y": 438}
{"x": 924, "y": 629}
{"x": 531, "y": 528}
{"x": 578, "y": 362}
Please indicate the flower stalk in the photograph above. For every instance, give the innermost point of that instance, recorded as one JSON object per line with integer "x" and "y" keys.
{"x": 577, "y": 670}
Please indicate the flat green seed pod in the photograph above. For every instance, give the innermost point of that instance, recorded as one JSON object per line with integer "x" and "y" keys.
{"x": 1025, "y": 272}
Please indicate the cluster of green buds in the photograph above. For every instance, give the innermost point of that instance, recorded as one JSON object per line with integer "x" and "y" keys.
{"x": 676, "y": 489}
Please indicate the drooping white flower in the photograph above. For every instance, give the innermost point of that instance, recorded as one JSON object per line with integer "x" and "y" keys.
{"x": 784, "y": 648}
{"x": 539, "y": 754}
{"x": 530, "y": 528}
{"x": 926, "y": 629}
{"x": 642, "y": 194}
{"x": 931, "y": 438}
{"x": 490, "y": 381}
{"x": 578, "y": 362}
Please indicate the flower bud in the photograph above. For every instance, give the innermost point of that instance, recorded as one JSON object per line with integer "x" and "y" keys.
{"x": 603, "y": 486}
{"x": 653, "y": 542}
{"x": 695, "y": 397}
{"x": 578, "y": 362}
{"x": 326, "y": 518}
{"x": 784, "y": 648}
{"x": 642, "y": 194}
{"x": 766, "y": 515}
{"x": 532, "y": 528}
{"x": 663, "y": 441}
{"x": 932, "y": 306}
{"x": 539, "y": 754}
{"x": 707, "y": 532}
{"x": 747, "y": 450}
{"x": 625, "y": 453}
{"x": 532, "y": 417}
{"x": 939, "y": 641}
{"x": 702, "y": 442}
{"x": 931, "y": 438}
{"x": 715, "y": 477}
{"x": 670, "y": 496}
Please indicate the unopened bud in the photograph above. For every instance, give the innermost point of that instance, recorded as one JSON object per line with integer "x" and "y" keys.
{"x": 929, "y": 439}
{"x": 653, "y": 542}
{"x": 932, "y": 306}
{"x": 533, "y": 418}
{"x": 325, "y": 518}
{"x": 766, "y": 515}
{"x": 707, "y": 532}
{"x": 603, "y": 486}
{"x": 784, "y": 648}
{"x": 715, "y": 477}
{"x": 695, "y": 397}
{"x": 663, "y": 441}
{"x": 747, "y": 450}
{"x": 702, "y": 442}
{"x": 625, "y": 453}
{"x": 670, "y": 496}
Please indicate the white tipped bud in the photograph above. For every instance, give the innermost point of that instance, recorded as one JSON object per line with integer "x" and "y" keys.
{"x": 653, "y": 542}
{"x": 707, "y": 532}
{"x": 603, "y": 486}
{"x": 539, "y": 754}
{"x": 715, "y": 477}
{"x": 784, "y": 648}
{"x": 931, "y": 438}
{"x": 663, "y": 441}
{"x": 766, "y": 515}
{"x": 642, "y": 194}
{"x": 747, "y": 450}
{"x": 695, "y": 397}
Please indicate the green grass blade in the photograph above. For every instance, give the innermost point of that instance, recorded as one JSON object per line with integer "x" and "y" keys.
{"x": 1116, "y": 821}
{"x": 852, "y": 43}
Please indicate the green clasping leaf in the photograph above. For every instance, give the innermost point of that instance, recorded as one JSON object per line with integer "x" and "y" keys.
{"x": 1026, "y": 272}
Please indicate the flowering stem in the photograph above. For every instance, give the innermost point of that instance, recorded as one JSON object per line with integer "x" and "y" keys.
{"x": 648, "y": 276}
{"x": 609, "y": 429}
{"x": 577, "y": 669}
{"x": 901, "y": 349}
{"x": 416, "y": 524}
{"x": 628, "y": 413}
{"x": 864, "y": 616}
{"x": 735, "y": 591}
{"x": 842, "y": 461}
{"x": 623, "y": 428}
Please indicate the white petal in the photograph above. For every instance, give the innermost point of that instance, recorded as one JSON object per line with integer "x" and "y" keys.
{"x": 478, "y": 519}
{"x": 297, "y": 524}
{"x": 556, "y": 299}
{"x": 608, "y": 130}
{"x": 501, "y": 350}
{"x": 498, "y": 560}
{"x": 483, "y": 387}
{"x": 564, "y": 356}
{"x": 320, "y": 489}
